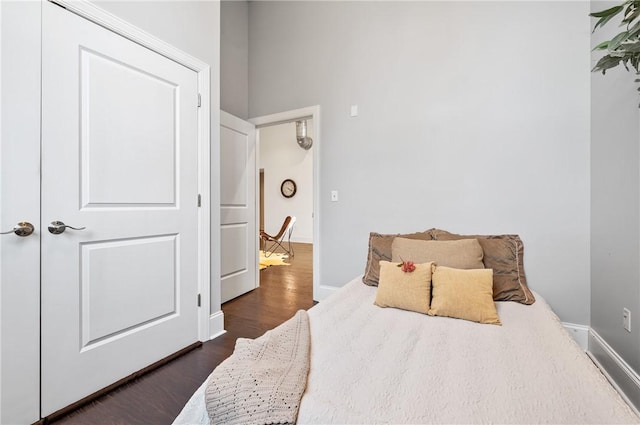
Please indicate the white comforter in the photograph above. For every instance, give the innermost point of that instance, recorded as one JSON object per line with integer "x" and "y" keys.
{"x": 375, "y": 365}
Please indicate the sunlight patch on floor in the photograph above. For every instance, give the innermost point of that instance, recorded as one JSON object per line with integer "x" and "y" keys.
{"x": 272, "y": 259}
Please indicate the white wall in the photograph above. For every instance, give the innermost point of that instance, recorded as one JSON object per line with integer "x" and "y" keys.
{"x": 474, "y": 117}
{"x": 234, "y": 57}
{"x": 282, "y": 158}
{"x": 615, "y": 202}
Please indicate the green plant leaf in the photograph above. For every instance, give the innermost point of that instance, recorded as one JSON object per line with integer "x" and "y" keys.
{"x": 605, "y": 16}
{"x": 629, "y": 17}
{"x": 631, "y": 46}
{"x": 606, "y": 62}
{"x": 617, "y": 40}
{"x": 624, "y": 48}
{"x": 628, "y": 11}
{"x": 608, "y": 12}
{"x": 601, "y": 46}
{"x": 634, "y": 30}
{"x": 602, "y": 21}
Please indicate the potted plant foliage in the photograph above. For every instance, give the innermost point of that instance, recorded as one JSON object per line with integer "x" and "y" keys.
{"x": 624, "y": 48}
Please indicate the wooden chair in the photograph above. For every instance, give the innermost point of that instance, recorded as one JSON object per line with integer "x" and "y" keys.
{"x": 279, "y": 240}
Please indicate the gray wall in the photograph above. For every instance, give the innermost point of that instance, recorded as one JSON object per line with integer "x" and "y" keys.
{"x": 615, "y": 134}
{"x": 474, "y": 117}
{"x": 234, "y": 57}
{"x": 193, "y": 27}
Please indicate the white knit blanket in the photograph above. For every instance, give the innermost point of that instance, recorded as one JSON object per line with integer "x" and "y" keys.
{"x": 263, "y": 380}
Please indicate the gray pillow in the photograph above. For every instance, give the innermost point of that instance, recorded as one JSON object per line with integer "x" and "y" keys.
{"x": 380, "y": 249}
{"x": 504, "y": 254}
{"x": 457, "y": 254}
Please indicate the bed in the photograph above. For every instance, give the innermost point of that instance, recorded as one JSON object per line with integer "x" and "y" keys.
{"x": 387, "y": 365}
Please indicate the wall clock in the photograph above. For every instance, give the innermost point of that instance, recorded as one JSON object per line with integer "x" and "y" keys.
{"x": 288, "y": 188}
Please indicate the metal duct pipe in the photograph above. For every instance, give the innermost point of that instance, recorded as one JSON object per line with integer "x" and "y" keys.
{"x": 301, "y": 135}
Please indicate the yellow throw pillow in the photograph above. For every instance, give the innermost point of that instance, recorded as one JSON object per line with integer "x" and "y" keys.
{"x": 404, "y": 290}
{"x": 464, "y": 294}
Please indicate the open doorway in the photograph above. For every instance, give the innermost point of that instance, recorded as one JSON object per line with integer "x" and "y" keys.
{"x": 307, "y": 113}
{"x": 286, "y": 190}
{"x": 286, "y": 171}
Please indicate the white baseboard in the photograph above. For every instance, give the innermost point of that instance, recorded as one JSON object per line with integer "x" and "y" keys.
{"x": 580, "y": 334}
{"x": 616, "y": 369}
{"x": 216, "y": 324}
{"x": 323, "y": 292}
{"x": 302, "y": 240}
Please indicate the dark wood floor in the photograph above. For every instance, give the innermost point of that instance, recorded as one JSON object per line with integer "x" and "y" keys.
{"x": 158, "y": 397}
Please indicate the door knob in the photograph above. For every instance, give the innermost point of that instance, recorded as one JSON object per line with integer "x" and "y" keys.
{"x": 23, "y": 228}
{"x": 57, "y": 227}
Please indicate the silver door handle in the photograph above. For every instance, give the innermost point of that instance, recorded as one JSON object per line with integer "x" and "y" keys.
{"x": 23, "y": 228}
{"x": 57, "y": 227}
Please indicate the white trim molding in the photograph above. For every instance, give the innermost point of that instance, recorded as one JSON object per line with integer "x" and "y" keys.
{"x": 323, "y": 292}
{"x": 96, "y": 14}
{"x": 580, "y": 334}
{"x": 204, "y": 212}
{"x": 216, "y": 324}
{"x": 621, "y": 376}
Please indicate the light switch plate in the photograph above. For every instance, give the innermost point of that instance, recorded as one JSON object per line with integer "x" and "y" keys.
{"x": 626, "y": 319}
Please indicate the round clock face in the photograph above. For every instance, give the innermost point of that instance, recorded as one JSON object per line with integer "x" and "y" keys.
{"x": 288, "y": 188}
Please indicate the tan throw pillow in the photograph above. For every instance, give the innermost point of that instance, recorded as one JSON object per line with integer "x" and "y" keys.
{"x": 461, "y": 254}
{"x": 463, "y": 294}
{"x": 405, "y": 290}
{"x": 504, "y": 254}
{"x": 380, "y": 249}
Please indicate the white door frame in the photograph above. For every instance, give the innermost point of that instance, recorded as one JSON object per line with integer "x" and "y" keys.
{"x": 111, "y": 22}
{"x": 311, "y": 112}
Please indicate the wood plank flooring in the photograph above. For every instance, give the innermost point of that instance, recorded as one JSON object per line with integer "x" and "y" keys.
{"x": 158, "y": 397}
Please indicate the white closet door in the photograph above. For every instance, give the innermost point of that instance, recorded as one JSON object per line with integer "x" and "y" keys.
{"x": 20, "y": 202}
{"x": 119, "y": 159}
